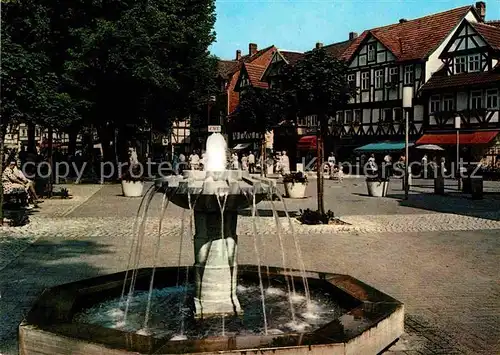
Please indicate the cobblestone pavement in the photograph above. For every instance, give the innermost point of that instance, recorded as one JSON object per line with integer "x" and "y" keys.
{"x": 443, "y": 266}
{"x": 20, "y": 238}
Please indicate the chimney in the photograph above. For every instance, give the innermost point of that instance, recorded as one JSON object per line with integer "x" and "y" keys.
{"x": 481, "y": 10}
{"x": 352, "y": 35}
{"x": 238, "y": 54}
{"x": 319, "y": 45}
{"x": 403, "y": 20}
{"x": 252, "y": 48}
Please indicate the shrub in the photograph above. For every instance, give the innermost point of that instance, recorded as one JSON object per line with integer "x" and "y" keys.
{"x": 295, "y": 177}
{"x": 132, "y": 173}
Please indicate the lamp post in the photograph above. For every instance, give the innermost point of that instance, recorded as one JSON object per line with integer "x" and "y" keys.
{"x": 457, "y": 127}
{"x": 407, "y": 105}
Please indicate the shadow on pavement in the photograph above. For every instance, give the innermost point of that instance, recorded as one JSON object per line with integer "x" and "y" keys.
{"x": 43, "y": 265}
{"x": 487, "y": 208}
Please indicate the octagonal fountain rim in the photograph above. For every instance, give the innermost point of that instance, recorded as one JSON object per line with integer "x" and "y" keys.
{"x": 51, "y": 318}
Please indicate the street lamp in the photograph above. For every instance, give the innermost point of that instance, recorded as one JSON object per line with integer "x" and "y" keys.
{"x": 407, "y": 105}
{"x": 458, "y": 122}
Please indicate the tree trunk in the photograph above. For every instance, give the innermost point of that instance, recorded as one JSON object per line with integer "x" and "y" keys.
{"x": 2, "y": 136}
{"x": 319, "y": 165}
{"x": 72, "y": 135}
{"x": 51, "y": 162}
{"x": 263, "y": 168}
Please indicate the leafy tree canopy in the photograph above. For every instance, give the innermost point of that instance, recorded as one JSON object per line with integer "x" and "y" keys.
{"x": 318, "y": 82}
{"x": 260, "y": 110}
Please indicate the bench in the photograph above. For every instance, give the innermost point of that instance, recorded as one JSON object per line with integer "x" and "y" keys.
{"x": 16, "y": 200}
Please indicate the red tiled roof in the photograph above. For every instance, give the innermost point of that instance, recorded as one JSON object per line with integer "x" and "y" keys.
{"x": 495, "y": 23}
{"x": 336, "y": 50}
{"x": 292, "y": 57}
{"x": 255, "y": 73}
{"x": 490, "y": 33}
{"x": 413, "y": 39}
{"x": 465, "y": 79}
{"x": 227, "y": 67}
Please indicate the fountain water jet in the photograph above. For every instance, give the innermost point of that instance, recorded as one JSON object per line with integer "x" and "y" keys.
{"x": 337, "y": 314}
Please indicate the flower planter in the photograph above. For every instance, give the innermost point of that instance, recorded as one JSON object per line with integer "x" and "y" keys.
{"x": 377, "y": 188}
{"x": 295, "y": 189}
{"x": 132, "y": 188}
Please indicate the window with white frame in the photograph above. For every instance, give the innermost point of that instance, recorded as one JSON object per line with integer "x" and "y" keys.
{"x": 448, "y": 103}
{"x": 379, "y": 78}
{"x": 476, "y": 100}
{"x": 365, "y": 80}
{"x": 474, "y": 62}
{"x": 351, "y": 80}
{"x": 460, "y": 65}
{"x": 23, "y": 132}
{"x": 393, "y": 75}
{"x": 371, "y": 52}
{"x": 311, "y": 121}
{"x": 408, "y": 74}
{"x": 348, "y": 117}
{"x": 357, "y": 116}
{"x": 435, "y": 104}
{"x": 340, "y": 117}
{"x": 492, "y": 99}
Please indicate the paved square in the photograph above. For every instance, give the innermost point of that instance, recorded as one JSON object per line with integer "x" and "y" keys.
{"x": 437, "y": 254}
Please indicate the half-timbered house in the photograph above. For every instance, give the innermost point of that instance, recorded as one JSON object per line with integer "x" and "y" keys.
{"x": 382, "y": 61}
{"x": 466, "y": 87}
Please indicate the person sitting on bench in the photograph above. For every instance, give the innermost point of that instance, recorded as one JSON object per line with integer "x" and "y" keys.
{"x": 29, "y": 185}
{"x": 12, "y": 185}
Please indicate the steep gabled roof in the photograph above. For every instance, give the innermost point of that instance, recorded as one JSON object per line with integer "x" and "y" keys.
{"x": 336, "y": 50}
{"x": 227, "y": 67}
{"x": 495, "y": 23}
{"x": 255, "y": 73}
{"x": 490, "y": 33}
{"x": 291, "y": 57}
{"x": 413, "y": 39}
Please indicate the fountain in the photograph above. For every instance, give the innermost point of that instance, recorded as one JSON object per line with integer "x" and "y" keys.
{"x": 197, "y": 309}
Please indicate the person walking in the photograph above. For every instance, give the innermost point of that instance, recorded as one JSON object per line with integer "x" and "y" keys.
{"x": 251, "y": 163}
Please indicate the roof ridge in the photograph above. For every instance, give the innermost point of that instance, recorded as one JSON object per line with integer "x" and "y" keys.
{"x": 485, "y": 24}
{"x": 423, "y": 17}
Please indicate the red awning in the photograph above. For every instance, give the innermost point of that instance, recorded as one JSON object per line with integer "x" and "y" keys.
{"x": 307, "y": 143}
{"x": 465, "y": 138}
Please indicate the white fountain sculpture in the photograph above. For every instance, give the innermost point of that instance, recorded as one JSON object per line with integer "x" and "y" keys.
{"x": 215, "y": 195}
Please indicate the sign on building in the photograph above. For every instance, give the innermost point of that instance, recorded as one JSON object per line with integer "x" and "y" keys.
{"x": 214, "y": 129}
{"x": 164, "y": 140}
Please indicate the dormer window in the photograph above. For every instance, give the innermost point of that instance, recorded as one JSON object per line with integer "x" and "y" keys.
{"x": 474, "y": 63}
{"x": 371, "y": 52}
{"x": 460, "y": 65}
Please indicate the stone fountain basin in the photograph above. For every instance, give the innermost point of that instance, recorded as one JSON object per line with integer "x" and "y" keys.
{"x": 235, "y": 187}
{"x": 374, "y": 320}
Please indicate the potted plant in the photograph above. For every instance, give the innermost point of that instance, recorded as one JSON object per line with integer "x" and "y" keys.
{"x": 132, "y": 182}
{"x": 377, "y": 185}
{"x": 295, "y": 185}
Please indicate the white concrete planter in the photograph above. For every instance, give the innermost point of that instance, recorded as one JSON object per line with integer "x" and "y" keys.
{"x": 377, "y": 188}
{"x": 295, "y": 189}
{"x": 132, "y": 188}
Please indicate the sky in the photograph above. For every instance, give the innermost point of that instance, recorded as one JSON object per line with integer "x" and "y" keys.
{"x": 299, "y": 24}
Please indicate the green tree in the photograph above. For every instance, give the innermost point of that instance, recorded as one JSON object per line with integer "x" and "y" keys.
{"x": 319, "y": 84}
{"x": 142, "y": 63}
